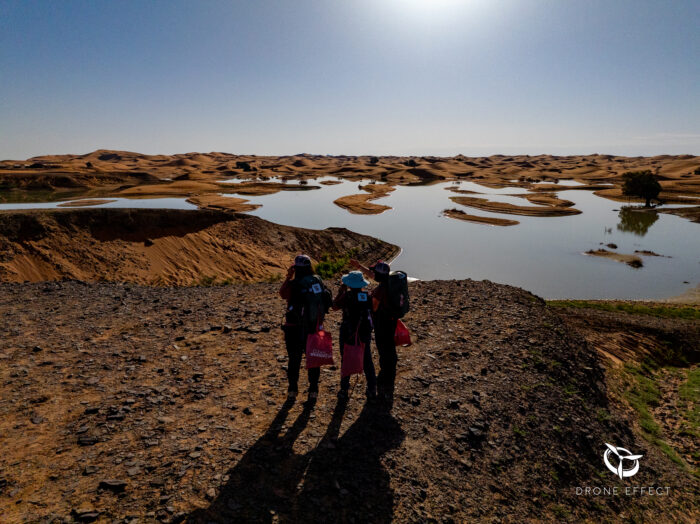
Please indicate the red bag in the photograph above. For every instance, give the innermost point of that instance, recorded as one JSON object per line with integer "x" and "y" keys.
{"x": 402, "y": 337}
{"x": 353, "y": 358}
{"x": 319, "y": 349}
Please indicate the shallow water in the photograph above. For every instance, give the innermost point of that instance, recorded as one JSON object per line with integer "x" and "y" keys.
{"x": 121, "y": 203}
{"x": 541, "y": 254}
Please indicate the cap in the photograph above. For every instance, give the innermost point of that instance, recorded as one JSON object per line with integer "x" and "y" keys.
{"x": 380, "y": 267}
{"x": 302, "y": 261}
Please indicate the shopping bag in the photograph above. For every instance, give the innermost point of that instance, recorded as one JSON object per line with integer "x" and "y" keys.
{"x": 319, "y": 349}
{"x": 353, "y": 358}
{"x": 402, "y": 337}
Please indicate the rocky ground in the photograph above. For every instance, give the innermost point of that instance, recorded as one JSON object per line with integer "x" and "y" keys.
{"x": 121, "y": 403}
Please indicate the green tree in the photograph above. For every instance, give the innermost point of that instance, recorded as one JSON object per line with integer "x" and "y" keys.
{"x": 641, "y": 184}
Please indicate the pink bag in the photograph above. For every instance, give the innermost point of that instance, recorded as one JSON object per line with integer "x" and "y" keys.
{"x": 319, "y": 349}
{"x": 353, "y": 358}
{"x": 402, "y": 337}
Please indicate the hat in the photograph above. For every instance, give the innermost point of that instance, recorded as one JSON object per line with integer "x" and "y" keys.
{"x": 380, "y": 267}
{"x": 355, "y": 280}
{"x": 302, "y": 261}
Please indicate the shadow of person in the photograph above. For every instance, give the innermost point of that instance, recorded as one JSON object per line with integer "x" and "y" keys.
{"x": 264, "y": 481}
{"x": 345, "y": 480}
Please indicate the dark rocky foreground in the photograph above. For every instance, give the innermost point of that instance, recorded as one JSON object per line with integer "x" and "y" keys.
{"x": 120, "y": 402}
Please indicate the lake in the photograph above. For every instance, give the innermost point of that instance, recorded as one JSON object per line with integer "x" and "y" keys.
{"x": 541, "y": 254}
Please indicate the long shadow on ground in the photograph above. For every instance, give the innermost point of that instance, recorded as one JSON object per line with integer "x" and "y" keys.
{"x": 342, "y": 480}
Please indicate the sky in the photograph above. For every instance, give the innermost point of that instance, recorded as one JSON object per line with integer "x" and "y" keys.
{"x": 380, "y": 77}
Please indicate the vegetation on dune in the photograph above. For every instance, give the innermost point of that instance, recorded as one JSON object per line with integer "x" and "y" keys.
{"x": 642, "y": 184}
{"x": 643, "y": 393}
{"x": 689, "y": 393}
{"x": 332, "y": 264}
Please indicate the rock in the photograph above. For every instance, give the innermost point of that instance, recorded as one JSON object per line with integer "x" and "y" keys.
{"x": 90, "y": 470}
{"x": 132, "y": 472}
{"x": 114, "y": 485}
{"x": 85, "y": 515}
{"x": 211, "y": 494}
{"x": 87, "y": 440}
{"x": 148, "y": 242}
{"x": 37, "y": 349}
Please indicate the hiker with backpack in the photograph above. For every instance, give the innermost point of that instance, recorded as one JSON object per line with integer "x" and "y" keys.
{"x": 389, "y": 304}
{"x": 308, "y": 300}
{"x": 355, "y": 331}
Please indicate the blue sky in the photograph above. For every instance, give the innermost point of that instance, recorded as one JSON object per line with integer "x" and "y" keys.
{"x": 438, "y": 77}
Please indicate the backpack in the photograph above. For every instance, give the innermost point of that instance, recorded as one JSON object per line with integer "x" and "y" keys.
{"x": 397, "y": 291}
{"x": 316, "y": 300}
{"x": 357, "y": 311}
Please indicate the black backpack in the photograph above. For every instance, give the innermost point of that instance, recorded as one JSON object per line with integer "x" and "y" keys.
{"x": 397, "y": 290}
{"x": 316, "y": 300}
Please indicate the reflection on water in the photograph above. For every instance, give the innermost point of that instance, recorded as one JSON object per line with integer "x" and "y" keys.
{"x": 636, "y": 220}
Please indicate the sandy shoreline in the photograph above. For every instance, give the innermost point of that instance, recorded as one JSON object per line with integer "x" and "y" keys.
{"x": 493, "y": 221}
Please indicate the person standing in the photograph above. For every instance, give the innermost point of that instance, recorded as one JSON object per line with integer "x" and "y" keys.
{"x": 384, "y": 319}
{"x": 308, "y": 300}
{"x": 356, "y": 326}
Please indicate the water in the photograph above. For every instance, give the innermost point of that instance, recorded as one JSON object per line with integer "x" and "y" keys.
{"x": 541, "y": 254}
{"x": 121, "y": 203}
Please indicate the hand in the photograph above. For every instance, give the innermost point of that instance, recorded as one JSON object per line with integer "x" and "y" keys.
{"x": 290, "y": 273}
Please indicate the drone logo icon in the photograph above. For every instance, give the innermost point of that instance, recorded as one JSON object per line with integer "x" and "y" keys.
{"x": 622, "y": 455}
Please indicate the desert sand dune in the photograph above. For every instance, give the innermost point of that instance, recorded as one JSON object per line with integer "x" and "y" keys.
{"x": 493, "y": 221}
{"x": 104, "y": 171}
{"x": 361, "y": 204}
{"x": 512, "y": 209}
{"x": 162, "y": 247}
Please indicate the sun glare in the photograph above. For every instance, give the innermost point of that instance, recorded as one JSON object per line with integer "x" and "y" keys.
{"x": 433, "y": 5}
{"x": 433, "y": 10}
